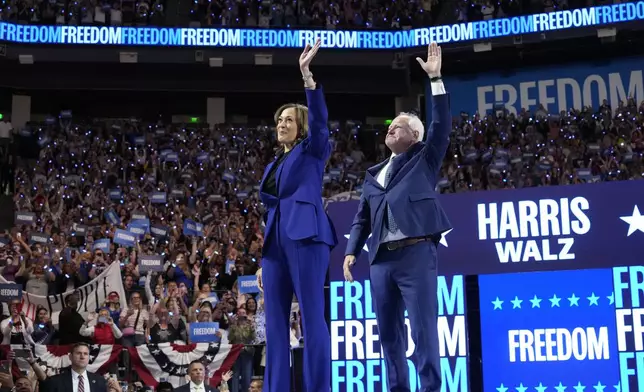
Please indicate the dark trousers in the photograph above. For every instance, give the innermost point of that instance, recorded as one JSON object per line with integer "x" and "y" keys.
{"x": 406, "y": 278}
{"x": 295, "y": 266}
{"x": 242, "y": 371}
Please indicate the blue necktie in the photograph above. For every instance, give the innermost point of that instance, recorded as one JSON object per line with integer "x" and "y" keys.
{"x": 391, "y": 223}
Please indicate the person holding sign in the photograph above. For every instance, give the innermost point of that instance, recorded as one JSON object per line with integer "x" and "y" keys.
{"x": 402, "y": 221}
{"x": 298, "y": 237}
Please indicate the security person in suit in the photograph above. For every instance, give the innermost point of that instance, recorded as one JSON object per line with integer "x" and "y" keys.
{"x": 78, "y": 379}
{"x": 197, "y": 373}
{"x": 399, "y": 208}
{"x": 298, "y": 238}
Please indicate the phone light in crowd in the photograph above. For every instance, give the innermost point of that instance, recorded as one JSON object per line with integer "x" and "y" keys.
{"x": 194, "y": 119}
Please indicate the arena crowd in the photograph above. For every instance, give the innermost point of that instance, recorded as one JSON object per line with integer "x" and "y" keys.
{"x": 89, "y": 178}
{"x": 329, "y": 14}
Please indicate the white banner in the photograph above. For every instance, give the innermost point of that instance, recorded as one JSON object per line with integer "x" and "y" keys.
{"x": 91, "y": 296}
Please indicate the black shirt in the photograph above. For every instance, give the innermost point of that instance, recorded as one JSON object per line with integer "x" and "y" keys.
{"x": 270, "y": 184}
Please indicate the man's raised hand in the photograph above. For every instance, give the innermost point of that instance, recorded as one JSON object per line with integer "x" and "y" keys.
{"x": 434, "y": 61}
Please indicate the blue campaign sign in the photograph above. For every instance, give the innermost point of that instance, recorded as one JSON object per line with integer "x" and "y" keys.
{"x": 102, "y": 244}
{"x": 338, "y": 39}
{"x": 356, "y": 360}
{"x": 124, "y": 237}
{"x": 203, "y": 332}
{"x": 557, "y": 88}
{"x": 532, "y": 229}
{"x": 10, "y": 292}
{"x": 247, "y": 284}
{"x": 549, "y": 331}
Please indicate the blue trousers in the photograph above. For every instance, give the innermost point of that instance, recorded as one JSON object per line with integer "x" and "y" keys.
{"x": 298, "y": 267}
{"x": 242, "y": 372}
{"x": 401, "y": 279}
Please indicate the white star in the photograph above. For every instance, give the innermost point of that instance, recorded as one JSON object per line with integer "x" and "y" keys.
{"x": 536, "y": 302}
{"x": 521, "y": 388}
{"x": 497, "y": 305}
{"x": 618, "y": 387}
{"x": 443, "y": 240}
{"x": 593, "y": 299}
{"x": 540, "y": 388}
{"x": 365, "y": 244}
{"x": 554, "y": 301}
{"x": 560, "y": 388}
{"x": 516, "y": 302}
{"x": 574, "y": 300}
{"x": 611, "y": 298}
{"x": 599, "y": 387}
{"x": 579, "y": 387}
{"x": 635, "y": 221}
{"x": 502, "y": 388}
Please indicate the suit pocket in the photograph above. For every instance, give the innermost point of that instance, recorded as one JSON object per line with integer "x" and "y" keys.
{"x": 302, "y": 222}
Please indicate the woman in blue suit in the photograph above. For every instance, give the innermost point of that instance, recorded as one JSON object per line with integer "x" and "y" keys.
{"x": 298, "y": 238}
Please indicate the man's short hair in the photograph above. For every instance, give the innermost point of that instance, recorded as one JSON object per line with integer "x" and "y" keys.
{"x": 79, "y": 344}
{"x": 196, "y": 361}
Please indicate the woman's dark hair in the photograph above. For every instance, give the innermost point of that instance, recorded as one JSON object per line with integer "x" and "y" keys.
{"x": 301, "y": 120}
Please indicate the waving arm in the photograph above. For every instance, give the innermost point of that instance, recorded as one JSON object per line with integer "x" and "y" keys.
{"x": 317, "y": 141}
{"x": 439, "y": 129}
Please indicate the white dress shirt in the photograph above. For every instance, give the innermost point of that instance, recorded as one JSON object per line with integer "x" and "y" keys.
{"x": 438, "y": 88}
{"x": 197, "y": 388}
{"x": 75, "y": 381}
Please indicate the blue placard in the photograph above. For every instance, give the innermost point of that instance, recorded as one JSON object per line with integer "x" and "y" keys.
{"x": 144, "y": 223}
{"x": 115, "y": 194}
{"x": 158, "y": 198}
{"x": 203, "y": 332}
{"x": 150, "y": 263}
{"x": 25, "y": 218}
{"x": 10, "y": 292}
{"x": 124, "y": 237}
{"x": 102, "y": 244}
{"x": 112, "y": 217}
{"x": 138, "y": 231}
{"x": 549, "y": 329}
{"x": 336, "y": 39}
{"x": 193, "y": 228}
{"x": 247, "y": 284}
{"x": 159, "y": 231}
{"x": 40, "y": 238}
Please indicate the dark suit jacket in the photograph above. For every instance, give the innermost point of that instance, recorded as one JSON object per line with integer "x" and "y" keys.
{"x": 63, "y": 383}
{"x": 410, "y": 194}
{"x": 186, "y": 388}
{"x": 299, "y": 182}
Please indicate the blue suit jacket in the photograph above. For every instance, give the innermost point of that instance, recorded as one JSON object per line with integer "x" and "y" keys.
{"x": 410, "y": 193}
{"x": 299, "y": 182}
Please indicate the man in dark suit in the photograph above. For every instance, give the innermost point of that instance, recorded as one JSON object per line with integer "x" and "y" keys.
{"x": 197, "y": 373}
{"x": 78, "y": 379}
{"x": 399, "y": 208}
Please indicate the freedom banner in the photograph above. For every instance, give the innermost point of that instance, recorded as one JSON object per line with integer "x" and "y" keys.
{"x": 170, "y": 361}
{"x": 91, "y": 296}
